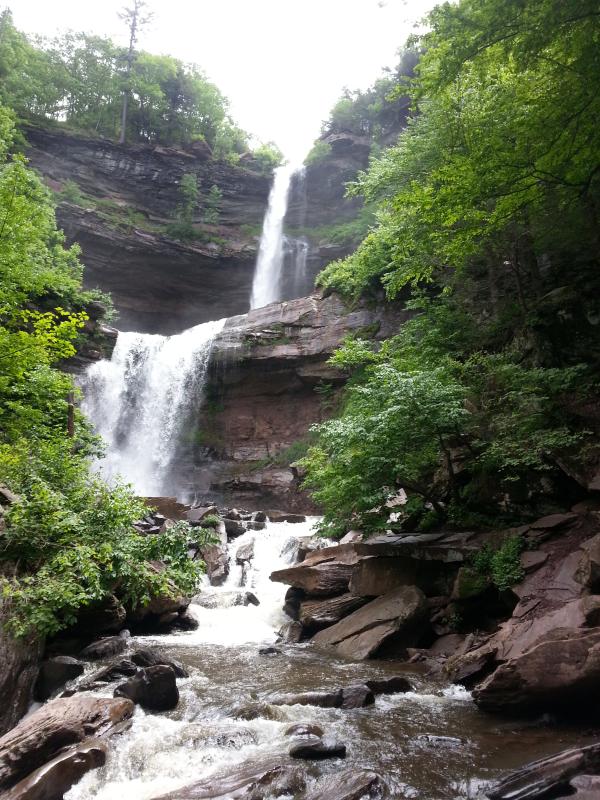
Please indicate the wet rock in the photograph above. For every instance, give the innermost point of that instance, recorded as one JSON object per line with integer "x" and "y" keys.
{"x": 332, "y": 699}
{"x": 256, "y": 526}
{"x": 216, "y": 558}
{"x": 303, "y": 729}
{"x": 113, "y": 672}
{"x": 55, "y": 778}
{"x": 316, "y": 749}
{"x": 54, "y": 673}
{"x": 105, "y": 616}
{"x": 291, "y": 632}
{"x": 147, "y": 657}
{"x": 195, "y": 516}
{"x": 252, "y": 711}
{"x": 360, "y": 635}
{"x": 396, "y": 685}
{"x": 245, "y": 553}
{"x": 227, "y": 599}
{"x": 269, "y": 651}
{"x": 352, "y": 784}
{"x": 439, "y": 741}
{"x": 357, "y": 696}
{"x": 234, "y": 528}
{"x": 259, "y": 516}
{"x": 186, "y": 621}
{"x": 282, "y": 516}
{"x": 316, "y": 614}
{"x": 233, "y": 514}
{"x": 548, "y": 776}
{"x": 41, "y": 736}
{"x": 104, "y": 648}
{"x": 533, "y": 559}
{"x": 248, "y": 781}
{"x": 318, "y": 580}
{"x": 293, "y": 599}
{"x": 154, "y": 688}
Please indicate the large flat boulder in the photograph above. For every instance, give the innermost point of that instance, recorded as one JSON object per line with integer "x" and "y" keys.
{"x": 360, "y": 635}
{"x": 319, "y": 580}
{"x": 53, "y": 780}
{"x": 41, "y": 736}
{"x": 350, "y": 784}
{"x": 375, "y": 576}
{"x": 316, "y": 614}
{"x": 555, "y": 776}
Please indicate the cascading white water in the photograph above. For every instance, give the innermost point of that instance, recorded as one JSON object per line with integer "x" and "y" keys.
{"x": 267, "y": 275}
{"x": 141, "y": 399}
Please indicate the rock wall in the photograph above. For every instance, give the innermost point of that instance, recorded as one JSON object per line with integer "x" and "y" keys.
{"x": 268, "y": 383}
{"x": 129, "y": 193}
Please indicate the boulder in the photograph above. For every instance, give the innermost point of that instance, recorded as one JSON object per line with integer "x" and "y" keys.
{"x": 303, "y": 729}
{"x": 195, "y": 516}
{"x": 316, "y": 749}
{"x": 42, "y": 735}
{"x": 560, "y": 672}
{"x": 226, "y": 599}
{"x": 282, "y": 516}
{"x": 259, "y": 516}
{"x": 104, "y": 648}
{"x": 374, "y": 576}
{"x": 256, "y": 526}
{"x": 54, "y": 673}
{"x": 245, "y": 553}
{"x": 54, "y": 779}
{"x": 548, "y": 776}
{"x": 154, "y": 688}
{"x": 360, "y": 635}
{"x": 234, "y": 528}
{"x": 316, "y": 614}
{"x": 396, "y": 685}
{"x": 331, "y": 699}
{"x": 357, "y": 696}
{"x": 291, "y": 632}
{"x": 19, "y": 661}
{"x": 216, "y": 558}
{"x": 352, "y": 784}
{"x": 269, "y": 651}
{"x": 320, "y": 580}
{"x": 105, "y": 616}
{"x": 147, "y": 657}
{"x": 293, "y": 599}
{"x": 113, "y": 672}
{"x": 248, "y": 781}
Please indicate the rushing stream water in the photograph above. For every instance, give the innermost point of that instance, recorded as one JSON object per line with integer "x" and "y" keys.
{"x": 431, "y": 743}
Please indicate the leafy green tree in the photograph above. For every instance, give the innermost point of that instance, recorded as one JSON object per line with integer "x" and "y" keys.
{"x": 212, "y": 206}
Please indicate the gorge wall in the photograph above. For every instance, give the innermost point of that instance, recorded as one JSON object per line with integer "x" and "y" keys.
{"x": 124, "y": 197}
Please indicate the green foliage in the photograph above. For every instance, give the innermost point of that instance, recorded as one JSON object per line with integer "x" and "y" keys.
{"x": 486, "y": 227}
{"x": 78, "y": 79}
{"x": 503, "y": 564}
{"x": 267, "y": 157}
{"x": 319, "y": 152}
{"x": 212, "y": 206}
{"x": 69, "y": 539}
{"x": 211, "y": 521}
{"x": 71, "y": 193}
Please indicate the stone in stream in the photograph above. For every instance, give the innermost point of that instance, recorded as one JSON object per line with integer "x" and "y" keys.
{"x": 42, "y": 735}
{"x": 146, "y": 657}
{"x": 551, "y": 777}
{"x": 234, "y": 528}
{"x": 303, "y": 729}
{"x": 226, "y": 599}
{"x": 282, "y": 516}
{"x": 250, "y": 781}
{"x": 245, "y": 553}
{"x": 355, "y": 696}
{"x": 396, "y": 685}
{"x": 317, "y": 749}
{"x": 360, "y": 635}
{"x": 351, "y": 784}
{"x": 104, "y": 648}
{"x": 54, "y": 673}
{"x": 269, "y": 651}
{"x": 153, "y": 688}
{"x": 55, "y": 778}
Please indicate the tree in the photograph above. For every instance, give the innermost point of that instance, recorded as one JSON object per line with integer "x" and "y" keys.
{"x": 136, "y": 17}
{"x": 212, "y": 206}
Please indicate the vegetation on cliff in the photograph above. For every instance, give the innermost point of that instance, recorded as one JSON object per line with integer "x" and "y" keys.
{"x": 68, "y": 540}
{"x": 487, "y": 227}
{"x": 78, "y": 81}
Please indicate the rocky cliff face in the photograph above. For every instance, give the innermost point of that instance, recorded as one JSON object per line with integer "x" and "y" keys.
{"x": 126, "y": 195}
{"x": 268, "y": 383}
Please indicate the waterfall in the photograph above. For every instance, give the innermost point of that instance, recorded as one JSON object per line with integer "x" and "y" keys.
{"x": 267, "y": 275}
{"x": 143, "y": 402}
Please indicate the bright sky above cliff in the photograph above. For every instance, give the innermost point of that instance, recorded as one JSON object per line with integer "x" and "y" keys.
{"x": 282, "y": 63}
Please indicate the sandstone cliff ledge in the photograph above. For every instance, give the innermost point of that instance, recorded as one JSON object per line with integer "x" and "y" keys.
{"x": 268, "y": 383}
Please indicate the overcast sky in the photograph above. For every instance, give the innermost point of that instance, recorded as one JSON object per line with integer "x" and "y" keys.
{"x": 281, "y": 63}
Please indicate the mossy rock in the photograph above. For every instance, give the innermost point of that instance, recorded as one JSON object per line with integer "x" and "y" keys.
{"x": 469, "y": 583}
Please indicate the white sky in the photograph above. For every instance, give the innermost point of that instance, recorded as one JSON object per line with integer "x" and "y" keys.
{"x": 281, "y": 63}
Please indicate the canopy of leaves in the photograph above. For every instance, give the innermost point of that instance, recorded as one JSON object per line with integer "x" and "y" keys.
{"x": 78, "y": 80}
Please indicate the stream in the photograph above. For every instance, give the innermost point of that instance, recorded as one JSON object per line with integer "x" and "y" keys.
{"x": 431, "y": 743}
